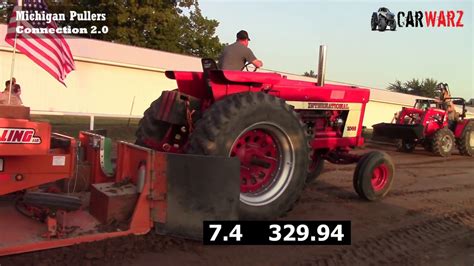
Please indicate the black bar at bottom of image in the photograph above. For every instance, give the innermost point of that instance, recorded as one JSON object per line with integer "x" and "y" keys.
{"x": 277, "y": 232}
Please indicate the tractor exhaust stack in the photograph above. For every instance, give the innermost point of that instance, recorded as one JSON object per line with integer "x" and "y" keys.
{"x": 322, "y": 65}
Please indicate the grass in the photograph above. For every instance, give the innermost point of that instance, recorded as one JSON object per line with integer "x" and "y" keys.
{"x": 117, "y": 128}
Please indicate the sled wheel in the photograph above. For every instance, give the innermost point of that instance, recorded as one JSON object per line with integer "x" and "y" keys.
{"x": 374, "y": 21}
{"x": 271, "y": 142}
{"x": 465, "y": 143}
{"x": 150, "y": 131}
{"x": 443, "y": 142}
{"x": 407, "y": 146}
{"x": 52, "y": 201}
{"x": 382, "y": 24}
{"x": 316, "y": 167}
{"x": 373, "y": 176}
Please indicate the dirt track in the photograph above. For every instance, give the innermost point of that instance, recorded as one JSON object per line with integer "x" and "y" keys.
{"x": 427, "y": 219}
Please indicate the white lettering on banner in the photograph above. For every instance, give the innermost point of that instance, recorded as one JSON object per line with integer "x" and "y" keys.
{"x": 18, "y": 136}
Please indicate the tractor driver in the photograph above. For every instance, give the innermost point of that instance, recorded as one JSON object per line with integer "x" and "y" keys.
{"x": 447, "y": 104}
{"x": 236, "y": 55}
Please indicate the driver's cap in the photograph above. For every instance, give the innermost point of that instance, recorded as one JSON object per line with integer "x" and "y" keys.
{"x": 243, "y": 35}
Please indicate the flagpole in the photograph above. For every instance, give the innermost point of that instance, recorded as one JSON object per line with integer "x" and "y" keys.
{"x": 20, "y": 4}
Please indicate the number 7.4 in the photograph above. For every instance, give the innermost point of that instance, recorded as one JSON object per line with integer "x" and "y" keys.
{"x": 234, "y": 233}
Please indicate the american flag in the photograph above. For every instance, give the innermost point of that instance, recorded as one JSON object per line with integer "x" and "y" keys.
{"x": 49, "y": 51}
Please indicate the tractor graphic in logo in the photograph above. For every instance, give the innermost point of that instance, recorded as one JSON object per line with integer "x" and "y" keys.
{"x": 383, "y": 18}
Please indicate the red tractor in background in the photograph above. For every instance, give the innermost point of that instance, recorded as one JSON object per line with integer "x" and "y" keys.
{"x": 428, "y": 124}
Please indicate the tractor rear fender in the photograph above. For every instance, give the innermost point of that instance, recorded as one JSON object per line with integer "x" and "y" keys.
{"x": 460, "y": 127}
{"x": 221, "y": 83}
{"x": 190, "y": 83}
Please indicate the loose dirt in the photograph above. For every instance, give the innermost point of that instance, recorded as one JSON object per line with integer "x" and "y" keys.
{"x": 426, "y": 219}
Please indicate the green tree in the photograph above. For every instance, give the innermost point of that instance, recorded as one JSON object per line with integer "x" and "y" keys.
{"x": 310, "y": 74}
{"x": 168, "y": 25}
{"x": 6, "y": 7}
{"x": 200, "y": 35}
{"x": 397, "y": 86}
{"x": 413, "y": 86}
{"x": 425, "y": 88}
{"x": 428, "y": 87}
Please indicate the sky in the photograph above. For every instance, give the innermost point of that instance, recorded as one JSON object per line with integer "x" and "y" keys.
{"x": 286, "y": 35}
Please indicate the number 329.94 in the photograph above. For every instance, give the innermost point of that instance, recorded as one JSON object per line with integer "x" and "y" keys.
{"x": 302, "y": 232}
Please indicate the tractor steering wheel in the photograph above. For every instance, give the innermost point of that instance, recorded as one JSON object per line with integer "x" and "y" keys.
{"x": 246, "y": 67}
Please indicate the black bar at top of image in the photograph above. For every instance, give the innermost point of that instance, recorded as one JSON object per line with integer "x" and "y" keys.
{"x": 259, "y": 233}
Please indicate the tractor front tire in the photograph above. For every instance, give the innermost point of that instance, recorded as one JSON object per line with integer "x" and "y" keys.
{"x": 270, "y": 140}
{"x": 150, "y": 130}
{"x": 373, "y": 176}
{"x": 443, "y": 142}
{"x": 407, "y": 146}
{"x": 465, "y": 143}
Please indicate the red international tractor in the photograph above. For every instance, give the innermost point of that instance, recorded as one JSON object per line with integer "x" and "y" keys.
{"x": 224, "y": 145}
{"x": 281, "y": 130}
{"x": 428, "y": 124}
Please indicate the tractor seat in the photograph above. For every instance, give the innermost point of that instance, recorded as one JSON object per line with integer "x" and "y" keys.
{"x": 208, "y": 65}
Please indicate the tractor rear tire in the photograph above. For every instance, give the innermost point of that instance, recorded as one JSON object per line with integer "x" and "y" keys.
{"x": 270, "y": 140}
{"x": 443, "y": 142}
{"x": 465, "y": 143}
{"x": 407, "y": 146}
{"x": 316, "y": 167}
{"x": 149, "y": 129}
{"x": 373, "y": 176}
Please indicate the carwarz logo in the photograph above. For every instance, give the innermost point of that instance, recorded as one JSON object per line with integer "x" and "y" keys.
{"x": 18, "y": 136}
{"x": 383, "y": 18}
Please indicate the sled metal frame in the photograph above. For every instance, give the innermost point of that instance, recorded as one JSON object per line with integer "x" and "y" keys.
{"x": 26, "y": 235}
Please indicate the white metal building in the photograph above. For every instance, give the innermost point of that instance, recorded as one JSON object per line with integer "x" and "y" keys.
{"x": 110, "y": 76}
